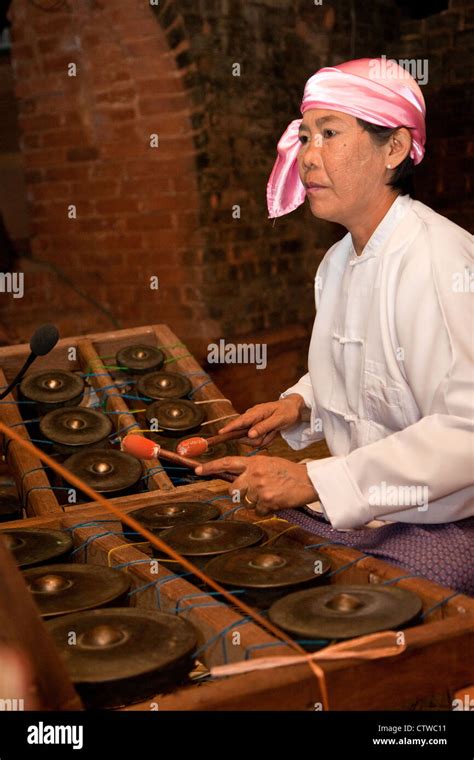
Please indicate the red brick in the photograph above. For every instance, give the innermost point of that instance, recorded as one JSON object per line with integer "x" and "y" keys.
{"x": 153, "y": 102}
{"x": 67, "y": 173}
{"x": 122, "y": 95}
{"x": 110, "y": 115}
{"x": 138, "y": 29}
{"x": 148, "y": 186}
{"x": 99, "y": 224}
{"x": 106, "y": 170}
{"x": 94, "y": 189}
{"x": 155, "y": 221}
{"x": 116, "y": 206}
{"x": 111, "y": 243}
{"x": 49, "y": 45}
{"x": 70, "y": 118}
{"x": 178, "y": 203}
{"x": 44, "y": 158}
{"x": 30, "y": 140}
{"x": 115, "y": 150}
{"x": 64, "y": 138}
{"x": 82, "y": 153}
{"x": 157, "y": 238}
{"x": 147, "y": 48}
{"x": 50, "y": 191}
{"x": 39, "y": 122}
{"x": 167, "y": 84}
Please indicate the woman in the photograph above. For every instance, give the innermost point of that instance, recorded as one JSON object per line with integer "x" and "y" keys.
{"x": 390, "y": 371}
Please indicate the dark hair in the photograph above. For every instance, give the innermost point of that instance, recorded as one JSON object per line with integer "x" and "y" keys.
{"x": 402, "y": 177}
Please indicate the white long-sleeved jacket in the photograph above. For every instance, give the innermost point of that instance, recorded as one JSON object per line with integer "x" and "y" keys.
{"x": 390, "y": 383}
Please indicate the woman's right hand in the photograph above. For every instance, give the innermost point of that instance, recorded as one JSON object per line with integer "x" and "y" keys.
{"x": 264, "y": 421}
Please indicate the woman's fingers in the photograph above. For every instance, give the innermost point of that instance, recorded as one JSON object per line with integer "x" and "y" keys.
{"x": 225, "y": 464}
{"x": 268, "y": 425}
{"x": 243, "y": 422}
{"x": 262, "y": 441}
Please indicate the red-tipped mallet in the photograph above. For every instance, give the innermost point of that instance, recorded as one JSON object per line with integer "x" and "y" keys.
{"x": 196, "y": 446}
{"x": 143, "y": 448}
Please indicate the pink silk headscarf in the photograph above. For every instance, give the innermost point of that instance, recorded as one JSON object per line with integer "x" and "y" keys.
{"x": 374, "y": 89}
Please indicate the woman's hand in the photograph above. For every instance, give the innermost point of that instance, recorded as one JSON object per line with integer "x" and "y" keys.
{"x": 266, "y": 484}
{"x": 263, "y": 421}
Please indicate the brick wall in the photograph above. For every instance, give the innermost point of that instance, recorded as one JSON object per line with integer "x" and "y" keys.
{"x": 168, "y": 211}
{"x": 446, "y": 40}
{"x": 86, "y": 141}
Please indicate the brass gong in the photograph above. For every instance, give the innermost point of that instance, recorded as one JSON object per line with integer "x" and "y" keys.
{"x": 268, "y": 567}
{"x": 169, "y": 514}
{"x": 37, "y": 547}
{"x": 344, "y": 612}
{"x": 210, "y": 538}
{"x": 175, "y": 417}
{"x": 136, "y": 360}
{"x": 106, "y": 470}
{"x": 122, "y": 656}
{"x": 72, "y": 429}
{"x": 267, "y": 572}
{"x": 164, "y": 385}
{"x": 62, "y": 589}
{"x": 52, "y": 389}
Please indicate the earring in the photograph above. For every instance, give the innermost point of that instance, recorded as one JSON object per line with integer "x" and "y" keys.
{"x": 389, "y": 166}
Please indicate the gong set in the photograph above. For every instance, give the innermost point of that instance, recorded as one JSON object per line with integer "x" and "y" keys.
{"x": 117, "y": 655}
{"x": 81, "y": 436}
{"x": 114, "y": 655}
{"x": 291, "y": 583}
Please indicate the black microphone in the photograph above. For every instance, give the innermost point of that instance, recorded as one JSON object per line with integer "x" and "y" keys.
{"x": 41, "y": 343}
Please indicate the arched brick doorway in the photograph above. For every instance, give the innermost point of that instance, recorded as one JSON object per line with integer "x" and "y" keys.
{"x": 89, "y": 151}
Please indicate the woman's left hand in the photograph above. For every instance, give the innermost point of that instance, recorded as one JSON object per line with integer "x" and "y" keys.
{"x": 266, "y": 484}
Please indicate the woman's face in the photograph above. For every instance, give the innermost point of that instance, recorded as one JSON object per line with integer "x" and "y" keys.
{"x": 337, "y": 154}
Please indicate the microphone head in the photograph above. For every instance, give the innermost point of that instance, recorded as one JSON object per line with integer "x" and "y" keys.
{"x": 139, "y": 447}
{"x": 44, "y": 339}
{"x": 192, "y": 447}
